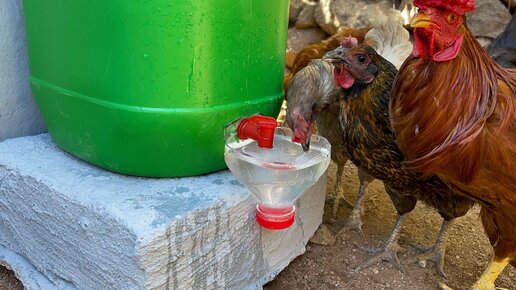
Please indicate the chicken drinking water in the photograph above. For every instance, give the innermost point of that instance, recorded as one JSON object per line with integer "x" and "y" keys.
{"x": 314, "y": 96}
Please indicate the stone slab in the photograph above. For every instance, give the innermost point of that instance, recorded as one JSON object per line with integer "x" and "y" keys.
{"x": 71, "y": 225}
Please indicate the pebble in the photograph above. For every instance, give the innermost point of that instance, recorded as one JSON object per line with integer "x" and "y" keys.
{"x": 422, "y": 263}
{"x": 375, "y": 271}
{"x": 323, "y": 236}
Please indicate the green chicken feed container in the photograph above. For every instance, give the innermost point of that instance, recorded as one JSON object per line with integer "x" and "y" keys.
{"x": 145, "y": 87}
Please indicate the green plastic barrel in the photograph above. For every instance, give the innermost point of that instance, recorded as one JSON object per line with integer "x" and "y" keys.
{"x": 146, "y": 87}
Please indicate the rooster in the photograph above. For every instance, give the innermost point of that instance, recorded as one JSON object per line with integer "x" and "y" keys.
{"x": 313, "y": 96}
{"x": 366, "y": 80}
{"x": 453, "y": 113}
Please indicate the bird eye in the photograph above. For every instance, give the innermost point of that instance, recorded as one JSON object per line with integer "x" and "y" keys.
{"x": 452, "y": 17}
{"x": 361, "y": 58}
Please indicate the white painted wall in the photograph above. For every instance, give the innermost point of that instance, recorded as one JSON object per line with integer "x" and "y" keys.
{"x": 19, "y": 115}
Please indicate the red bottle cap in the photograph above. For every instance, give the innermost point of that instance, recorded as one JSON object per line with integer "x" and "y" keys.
{"x": 259, "y": 128}
{"x": 275, "y": 218}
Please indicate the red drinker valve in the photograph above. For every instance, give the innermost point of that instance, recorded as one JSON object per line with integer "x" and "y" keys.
{"x": 259, "y": 128}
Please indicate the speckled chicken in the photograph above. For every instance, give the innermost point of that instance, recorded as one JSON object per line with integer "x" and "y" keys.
{"x": 312, "y": 93}
{"x": 313, "y": 98}
{"x": 366, "y": 80}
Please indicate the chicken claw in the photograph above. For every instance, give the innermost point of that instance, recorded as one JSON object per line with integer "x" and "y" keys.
{"x": 436, "y": 252}
{"x": 443, "y": 286}
{"x": 388, "y": 253}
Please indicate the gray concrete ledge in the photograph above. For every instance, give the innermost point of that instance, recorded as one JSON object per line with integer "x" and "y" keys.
{"x": 65, "y": 224}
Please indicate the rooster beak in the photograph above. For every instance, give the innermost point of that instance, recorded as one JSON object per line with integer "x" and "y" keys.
{"x": 420, "y": 20}
{"x": 306, "y": 146}
{"x": 333, "y": 56}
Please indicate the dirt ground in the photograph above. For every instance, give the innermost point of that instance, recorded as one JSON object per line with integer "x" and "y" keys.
{"x": 331, "y": 267}
{"x": 8, "y": 281}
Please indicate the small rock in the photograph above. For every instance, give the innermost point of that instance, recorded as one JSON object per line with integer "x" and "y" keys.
{"x": 375, "y": 271}
{"x": 295, "y": 8}
{"x": 323, "y": 236}
{"x": 306, "y": 18}
{"x": 422, "y": 263}
{"x": 297, "y": 39}
{"x": 488, "y": 19}
{"x": 332, "y": 14}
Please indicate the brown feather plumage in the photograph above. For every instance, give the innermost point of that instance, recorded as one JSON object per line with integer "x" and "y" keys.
{"x": 457, "y": 119}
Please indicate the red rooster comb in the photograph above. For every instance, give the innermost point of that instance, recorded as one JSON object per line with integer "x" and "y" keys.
{"x": 458, "y": 6}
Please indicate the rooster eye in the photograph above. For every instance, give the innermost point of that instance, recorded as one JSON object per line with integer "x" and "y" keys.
{"x": 452, "y": 17}
{"x": 361, "y": 58}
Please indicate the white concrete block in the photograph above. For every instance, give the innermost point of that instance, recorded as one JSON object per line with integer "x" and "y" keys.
{"x": 19, "y": 115}
{"x": 81, "y": 227}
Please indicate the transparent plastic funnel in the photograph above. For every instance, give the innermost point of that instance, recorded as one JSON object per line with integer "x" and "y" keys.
{"x": 277, "y": 176}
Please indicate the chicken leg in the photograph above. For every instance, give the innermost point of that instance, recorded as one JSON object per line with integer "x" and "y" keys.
{"x": 390, "y": 251}
{"x": 436, "y": 252}
{"x": 336, "y": 186}
{"x": 354, "y": 220}
{"x": 486, "y": 281}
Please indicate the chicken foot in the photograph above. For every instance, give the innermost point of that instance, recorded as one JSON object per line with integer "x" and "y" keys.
{"x": 486, "y": 281}
{"x": 390, "y": 251}
{"x": 436, "y": 252}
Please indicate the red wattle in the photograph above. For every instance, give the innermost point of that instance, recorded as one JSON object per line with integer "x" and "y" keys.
{"x": 450, "y": 52}
{"x": 343, "y": 78}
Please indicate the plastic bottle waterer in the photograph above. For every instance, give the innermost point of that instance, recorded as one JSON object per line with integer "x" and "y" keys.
{"x": 275, "y": 169}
